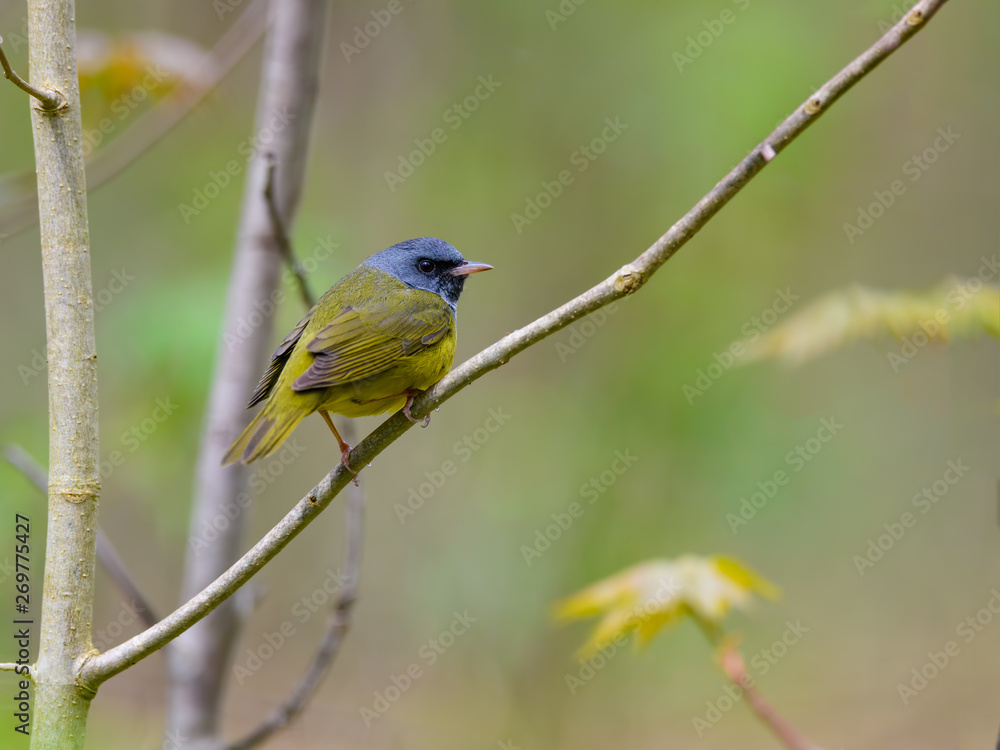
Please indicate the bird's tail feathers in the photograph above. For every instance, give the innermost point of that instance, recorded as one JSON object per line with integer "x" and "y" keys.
{"x": 264, "y": 435}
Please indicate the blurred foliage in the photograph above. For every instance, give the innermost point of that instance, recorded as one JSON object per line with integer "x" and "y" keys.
{"x": 957, "y": 307}
{"x": 619, "y": 387}
{"x": 122, "y": 74}
{"x": 652, "y": 595}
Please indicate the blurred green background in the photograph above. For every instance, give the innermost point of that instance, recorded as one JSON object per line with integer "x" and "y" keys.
{"x": 570, "y": 407}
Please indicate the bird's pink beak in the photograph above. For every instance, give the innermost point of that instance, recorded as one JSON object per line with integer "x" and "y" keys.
{"x": 466, "y": 268}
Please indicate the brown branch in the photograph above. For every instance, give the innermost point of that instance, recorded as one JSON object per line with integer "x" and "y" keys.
{"x": 628, "y": 279}
{"x": 280, "y": 235}
{"x": 338, "y": 621}
{"x": 51, "y": 101}
{"x": 107, "y": 555}
{"x": 735, "y": 669}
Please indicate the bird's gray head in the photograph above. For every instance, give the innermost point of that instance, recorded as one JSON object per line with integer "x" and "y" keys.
{"x": 427, "y": 263}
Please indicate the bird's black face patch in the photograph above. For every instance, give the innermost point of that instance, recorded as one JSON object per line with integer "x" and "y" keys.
{"x": 424, "y": 263}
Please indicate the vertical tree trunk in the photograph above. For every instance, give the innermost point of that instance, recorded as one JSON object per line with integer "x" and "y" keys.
{"x": 60, "y": 719}
{"x": 198, "y": 659}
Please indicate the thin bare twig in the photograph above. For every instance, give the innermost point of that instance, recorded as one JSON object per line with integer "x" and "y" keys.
{"x": 21, "y": 460}
{"x": 106, "y": 554}
{"x": 733, "y": 666}
{"x": 20, "y": 212}
{"x": 625, "y": 281}
{"x": 281, "y": 236}
{"x": 50, "y": 100}
{"x": 113, "y": 564}
{"x": 735, "y": 669}
{"x": 338, "y": 621}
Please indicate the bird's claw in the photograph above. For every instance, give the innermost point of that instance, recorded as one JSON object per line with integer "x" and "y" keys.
{"x": 345, "y": 458}
{"x": 406, "y": 412}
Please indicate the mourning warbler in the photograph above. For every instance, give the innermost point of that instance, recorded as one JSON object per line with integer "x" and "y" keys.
{"x": 379, "y": 336}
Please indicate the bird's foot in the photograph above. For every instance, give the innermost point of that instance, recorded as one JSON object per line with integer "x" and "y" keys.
{"x": 345, "y": 458}
{"x": 406, "y": 409}
{"x": 345, "y": 449}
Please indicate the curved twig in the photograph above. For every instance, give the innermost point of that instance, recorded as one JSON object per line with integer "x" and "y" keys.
{"x": 628, "y": 279}
{"x": 337, "y": 624}
{"x": 50, "y": 100}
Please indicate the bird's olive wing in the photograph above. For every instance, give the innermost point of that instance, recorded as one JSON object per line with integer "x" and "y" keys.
{"x": 360, "y": 344}
{"x": 278, "y": 361}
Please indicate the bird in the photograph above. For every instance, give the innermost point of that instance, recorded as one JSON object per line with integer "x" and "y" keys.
{"x": 380, "y": 336}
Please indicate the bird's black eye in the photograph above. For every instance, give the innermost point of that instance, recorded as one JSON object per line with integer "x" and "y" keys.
{"x": 425, "y": 266}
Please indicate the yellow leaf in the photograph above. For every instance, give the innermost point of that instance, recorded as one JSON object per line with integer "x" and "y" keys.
{"x": 647, "y": 597}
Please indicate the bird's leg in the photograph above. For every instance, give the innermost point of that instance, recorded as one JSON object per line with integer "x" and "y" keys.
{"x": 410, "y": 395}
{"x": 345, "y": 449}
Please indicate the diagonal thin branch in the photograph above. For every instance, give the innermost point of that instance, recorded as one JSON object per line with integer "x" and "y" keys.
{"x": 627, "y": 280}
{"x": 108, "y": 556}
{"x": 281, "y": 235}
{"x": 735, "y": 669}
{"x": 51, "y": 101}
{"x": 338, "y": 621}
{"x": 21, "y": 460}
